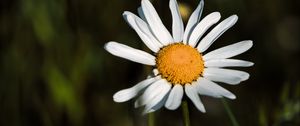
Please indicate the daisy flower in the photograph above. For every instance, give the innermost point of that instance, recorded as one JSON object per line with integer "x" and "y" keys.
{"x": 180, "y": 63}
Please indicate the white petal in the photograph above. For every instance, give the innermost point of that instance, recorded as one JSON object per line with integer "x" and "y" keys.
{"x": 225, "y": 75}
{"x": 192, "y": 93}
{"x": 202, "y": 27}
{"x": 129, "y": 93}
{"x": 227, "y": 63}
{"x": 141, "y": 14}
{"x": 157, "y": 106}
{"x": 177, "y": 25}
{"x": 175, "y": 97}
{"x": 147, "y": 30}
{"x": 232, "y": 80}
{"x": 158, "y": 28}
{"x": 215, "y": 33}
{"x": 229, "y": 51}
{"x": 193, "y": 21}
{"x": 159, "y": 97}
{"x": 209, "y": 88}
{"x": 150, "y": 93}
{"x": 130, "y": 53}
{"x": 142, "y": 30}
{"x": 155, "y": 72}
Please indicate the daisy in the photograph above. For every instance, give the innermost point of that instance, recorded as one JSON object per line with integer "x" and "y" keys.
{"x": 180, "y": 63}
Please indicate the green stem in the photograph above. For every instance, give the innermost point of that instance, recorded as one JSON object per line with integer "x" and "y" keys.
{"x": 185, "y": 113}
{"x": 151, "y": 119}
{"x": 229, "y": 112}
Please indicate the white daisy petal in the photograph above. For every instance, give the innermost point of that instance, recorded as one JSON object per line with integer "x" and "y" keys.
{"x": 227, "y": 63}
{"x": 155, "y": 72}
{"x": 232, "y": 80}
{"x": 202, "y": 27}
{"x": 193, "y": 21}
{"x": 151, "y": 92}
{"x": 209, "y": 88}
{"x": 142, "y": 30}
{"x": 192, "y": 93}
{"x": 158, "y": 28}
{"x": 141, "y": 14}
{"x": 177, "y": 25}
{"x": 157, "y": 106}
{"x": 129, "y": 93}
{"x": 229, "y": 51}
{"x": 225, "y": 75}
{"x": 130, "y": 53}
{"x": 216, "y": 32}
{"x": 159, "y": 97}
{"x": 146, "y": 29}
{"x": 175, "y": 97}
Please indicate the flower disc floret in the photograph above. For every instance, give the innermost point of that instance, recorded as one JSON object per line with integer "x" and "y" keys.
{"x": 179, "y": 63}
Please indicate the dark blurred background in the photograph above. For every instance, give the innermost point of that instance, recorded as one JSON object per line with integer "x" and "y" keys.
{"x": 55, "y": 72}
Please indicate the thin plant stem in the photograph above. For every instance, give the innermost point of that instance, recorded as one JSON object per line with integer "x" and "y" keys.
{"x": 185, "y": 113}
{"x": 151, "y": 119}
{"x": 229, "y": 112}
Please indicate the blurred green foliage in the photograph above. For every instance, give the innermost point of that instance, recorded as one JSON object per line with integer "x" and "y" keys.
{"x": 287, "y": 109}
{"x": 54, "y": 70}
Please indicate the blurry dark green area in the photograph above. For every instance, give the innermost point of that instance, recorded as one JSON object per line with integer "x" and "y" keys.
{"x": 55, "y": 71}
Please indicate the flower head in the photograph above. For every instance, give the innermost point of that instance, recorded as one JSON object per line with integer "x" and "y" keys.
{"x": 180, "y": 62}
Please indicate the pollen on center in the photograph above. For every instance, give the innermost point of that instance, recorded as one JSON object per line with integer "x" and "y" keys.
{"x": 179, "y": 63}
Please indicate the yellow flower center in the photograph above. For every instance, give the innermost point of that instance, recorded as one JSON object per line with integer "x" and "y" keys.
{"x": 179, "y": 63}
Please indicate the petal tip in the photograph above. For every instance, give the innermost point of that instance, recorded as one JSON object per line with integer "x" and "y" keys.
{"x": 125, "y": 13}
{"x": 251, "y": 64}
{"x": 217, "y": 13}
{"x": 233, "y": 18}
{"x": 250, "y": 42}
{"x": 246, "y": 77}
{"x": 108, "y": 45}
{"x": 118, "y": 100}
{"x": 232, "y": 96}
